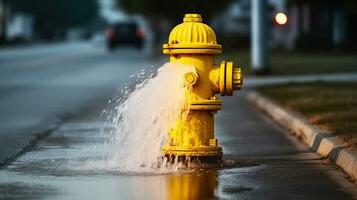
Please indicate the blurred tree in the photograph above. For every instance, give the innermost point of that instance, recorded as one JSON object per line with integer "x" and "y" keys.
{"x": 51, "y": 16}
{"x": 160, "y": 11}
{"x": 334, "y": 22}
{"x": 3, "y": 9}
{"x": 173, "y": 10}
{"x": 349, "y": 5}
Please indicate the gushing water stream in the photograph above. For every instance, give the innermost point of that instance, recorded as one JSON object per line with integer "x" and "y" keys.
{"x": 142, "y": 119}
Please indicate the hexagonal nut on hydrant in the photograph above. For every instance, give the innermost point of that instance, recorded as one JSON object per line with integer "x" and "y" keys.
{"x": 194, "y": 43}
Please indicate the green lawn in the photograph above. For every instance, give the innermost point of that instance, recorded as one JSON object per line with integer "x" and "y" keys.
{"x": 332, "y": 106}
{"x": 292, "y": 63}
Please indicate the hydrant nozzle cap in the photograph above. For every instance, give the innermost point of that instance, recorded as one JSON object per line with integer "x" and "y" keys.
{"x": 192, "y": 18}
{"x": 191, "y": 78}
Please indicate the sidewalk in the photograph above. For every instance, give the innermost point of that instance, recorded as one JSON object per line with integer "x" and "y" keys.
{"x": 251, "y": 81}
{"x": 329, "y": 105}
{"x": 324, "y": 143}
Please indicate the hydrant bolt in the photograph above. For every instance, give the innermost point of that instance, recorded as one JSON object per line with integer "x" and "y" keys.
{"x": 194, "y": 43}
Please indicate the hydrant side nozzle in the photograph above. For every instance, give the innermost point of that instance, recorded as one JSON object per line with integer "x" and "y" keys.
{"x": 226, "y": 78}
{"x": 229, "y": 78}
{"x": 222, "y": 78}
{"x": 214, "y": 78}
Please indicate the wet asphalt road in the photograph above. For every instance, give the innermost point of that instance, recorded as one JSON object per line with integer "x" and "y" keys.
{"x": 76, "y": 87}
{"x": 43, "y": 84}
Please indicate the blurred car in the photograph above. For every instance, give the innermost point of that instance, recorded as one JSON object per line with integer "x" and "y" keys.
{"x": 99, "y": 38}
{"x": 124, "y": 33}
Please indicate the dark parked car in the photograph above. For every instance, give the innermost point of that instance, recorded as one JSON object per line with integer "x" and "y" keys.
{"x": 124, "y": 33}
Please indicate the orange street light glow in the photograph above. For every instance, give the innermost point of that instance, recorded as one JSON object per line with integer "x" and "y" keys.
{"x": 281, "y": 18}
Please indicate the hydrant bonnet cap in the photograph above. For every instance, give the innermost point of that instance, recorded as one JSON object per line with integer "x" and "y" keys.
{"x": 192, "y": 36}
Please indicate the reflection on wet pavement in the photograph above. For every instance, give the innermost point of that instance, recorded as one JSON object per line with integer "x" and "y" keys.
{"x": 18, "y": 190}
{"x": 189, "y": 186}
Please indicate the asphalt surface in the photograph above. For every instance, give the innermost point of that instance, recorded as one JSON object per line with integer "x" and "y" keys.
{"x": 71, "y": 89}
{"x": 40, "y": 85}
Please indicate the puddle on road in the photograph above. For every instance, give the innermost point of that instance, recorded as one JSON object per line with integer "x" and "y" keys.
{"x": 76, "y": 151}
{"x": 23, "y": 191}
{"x": 58, "y": 164}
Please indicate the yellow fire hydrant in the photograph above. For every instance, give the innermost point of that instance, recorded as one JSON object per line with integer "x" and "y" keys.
{"x": 194, "y": 43}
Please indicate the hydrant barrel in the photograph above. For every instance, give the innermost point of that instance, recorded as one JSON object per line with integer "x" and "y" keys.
{"x": 194, "y": 43}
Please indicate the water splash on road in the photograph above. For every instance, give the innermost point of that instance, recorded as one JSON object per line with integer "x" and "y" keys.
{"x": 142, "y": 119}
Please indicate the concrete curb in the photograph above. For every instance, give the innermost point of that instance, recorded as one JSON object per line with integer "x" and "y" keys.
{"x": 324, "y": 143}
